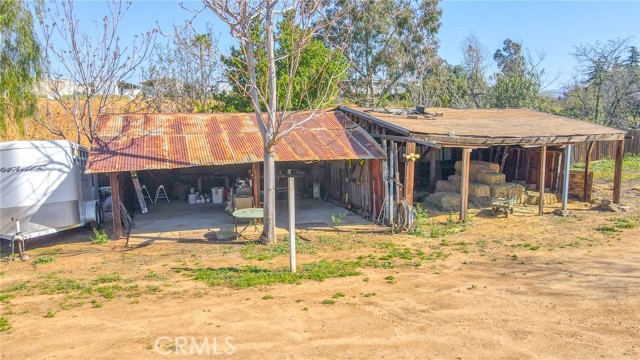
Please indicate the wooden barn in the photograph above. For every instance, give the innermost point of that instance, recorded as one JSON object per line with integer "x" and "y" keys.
{"x": 440, "y": 148}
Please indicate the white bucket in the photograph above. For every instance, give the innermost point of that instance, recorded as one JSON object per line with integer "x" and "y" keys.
{"x": 192, "y": 198}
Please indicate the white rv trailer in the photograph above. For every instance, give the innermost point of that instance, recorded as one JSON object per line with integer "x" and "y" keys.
{"x": 43, "y": 188}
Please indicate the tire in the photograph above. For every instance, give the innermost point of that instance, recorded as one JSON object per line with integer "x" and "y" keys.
{"x": 99, "y": 216}
{"x": 99, "y": 221}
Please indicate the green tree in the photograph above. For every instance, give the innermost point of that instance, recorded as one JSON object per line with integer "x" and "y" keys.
{"x": 386, "y": 41}
{"x": 314, "y": 83}
{"x": 20, "y": 57}
{"x": 518, "y": 81}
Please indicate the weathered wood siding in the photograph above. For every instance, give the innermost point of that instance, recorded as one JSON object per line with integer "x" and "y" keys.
{"x": 351, "y": 183}
{"x": 607, "y": 149}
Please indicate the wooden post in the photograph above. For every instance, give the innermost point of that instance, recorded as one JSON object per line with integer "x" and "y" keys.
{"x": 464, "y": 184}
{"x": 255, "y": 175}
{"x": 376, "y": 187}
{"x": 385, "y": 180}
{"x": 542, "y": 169}
{"x": 115, "y": 204}
{"x": 292, "y": 224}
{"x": 617, "y": 175}
{"x": 432, "y": 167}
{"x": 586, "y": 195}
{"x": 567, "y": 170}
{"x": 396, "y": 173}
{"x": 392, "y": 176}
{"x": 409, "y": 168}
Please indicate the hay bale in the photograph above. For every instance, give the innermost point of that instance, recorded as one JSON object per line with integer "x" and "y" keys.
{"x": 489, "y": 177}
{"x": 506, "y": 190}
{"x": 534, "y": 199}
{"x": 445, "y": 186}
{"x": 481, "y": 202}
{"x": 477, "y": 190}
{"x": 455, "y": 180}
{"x": 475, "y": 166}
{"x": 445, "y": 201}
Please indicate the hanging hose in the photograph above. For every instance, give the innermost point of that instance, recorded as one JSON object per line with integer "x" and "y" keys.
{"x": 404, "y": 216}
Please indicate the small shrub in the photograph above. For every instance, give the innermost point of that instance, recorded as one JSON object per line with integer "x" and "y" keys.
{"x": 43, "y": 260}
{"x": 153, "y": 289}
{"x": 4, "y": 324}
{"x": 338, "y": 219}
{"x": 390, "y": 279}
{"x": 50, "y": 314}
{"x": 152, "y": 275}
{"x": 328, "y": 302}
{"x": 107, "y": 278}
{"x": 108, "y": 291}
{"x": 369, "y": 294}
{"x": 267, "y": 297}
{"x": 338, "y": 295}
{"x": 100, "y": 237}
{"x": 96, "y": 304}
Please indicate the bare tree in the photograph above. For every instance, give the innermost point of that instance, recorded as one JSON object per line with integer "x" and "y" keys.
{"x": 597, "y": 63}
{"x": 183, "y": 74}
{"x": 308, "y": 20}
{"x": 475, "y": 62}
{"x": 83, "y": 69}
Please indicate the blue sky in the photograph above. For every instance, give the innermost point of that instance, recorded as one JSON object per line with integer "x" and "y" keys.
{"x": 552, "y": 27}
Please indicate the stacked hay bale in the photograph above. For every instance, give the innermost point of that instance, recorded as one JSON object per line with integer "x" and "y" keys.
{"x": 485, "y": 184}
{"x": 445, "y": 201}
{"x": 534, "y": 199}
{"x": 481, "y": 175}
{"x": 507, "y": 191}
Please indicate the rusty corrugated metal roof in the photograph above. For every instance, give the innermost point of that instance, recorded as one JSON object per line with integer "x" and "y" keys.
{"x": 133, "y": 142}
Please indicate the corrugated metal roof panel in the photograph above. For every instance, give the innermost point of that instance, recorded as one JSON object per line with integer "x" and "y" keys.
{"x": 128, "y": 142}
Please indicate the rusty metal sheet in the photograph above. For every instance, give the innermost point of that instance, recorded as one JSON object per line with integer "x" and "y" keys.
{"x": 128, "y": 142}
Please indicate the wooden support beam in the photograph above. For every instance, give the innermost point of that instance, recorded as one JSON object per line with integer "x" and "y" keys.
{"x": 255, "y": 175}
{"x": 542, "y": 173}
{"x": 432, "y": 167}
{"x": 586, "y": 196}
{"x": 464, "y": 184}
{"x": 115, "y": 204}
{"x": 617, "y": 174}
{"x": 396, "y": 173}
{"x": 409, "y": 168}
{"x": 405, "y": 139}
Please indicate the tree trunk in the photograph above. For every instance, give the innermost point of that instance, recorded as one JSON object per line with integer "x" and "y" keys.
{"x": 269, "y": 232}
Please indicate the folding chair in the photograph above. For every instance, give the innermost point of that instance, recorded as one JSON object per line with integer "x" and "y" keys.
{"x": 145, "y": 194}
{"x": 161, "y": 194}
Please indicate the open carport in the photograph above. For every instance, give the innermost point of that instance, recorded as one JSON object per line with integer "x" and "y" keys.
{"x": 192, "y": 153}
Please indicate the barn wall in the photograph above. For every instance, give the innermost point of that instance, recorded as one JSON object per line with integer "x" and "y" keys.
{"x": 351, "y": 183}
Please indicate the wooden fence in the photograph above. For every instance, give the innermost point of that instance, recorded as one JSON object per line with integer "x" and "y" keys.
{"x": 607, "y": 149}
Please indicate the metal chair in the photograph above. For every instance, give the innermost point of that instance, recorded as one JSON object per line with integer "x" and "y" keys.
{"x": 161, "y": 194}
{"x": 242, "y": 202}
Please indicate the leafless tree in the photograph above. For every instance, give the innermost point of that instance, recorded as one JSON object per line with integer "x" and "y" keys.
{"x": 183, "y": 73}
{"x": 308, "y": 18}
{"x": 476, "y": 64}
{"x": 83, "y": 69}
{"x": 601, "y": 71}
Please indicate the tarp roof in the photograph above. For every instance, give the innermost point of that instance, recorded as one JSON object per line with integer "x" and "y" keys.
{"x": 133, "y": 142}
{"x": 486, "y": 127}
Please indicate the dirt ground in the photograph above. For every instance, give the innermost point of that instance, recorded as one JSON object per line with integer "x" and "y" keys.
{"x": 519, "y": 288}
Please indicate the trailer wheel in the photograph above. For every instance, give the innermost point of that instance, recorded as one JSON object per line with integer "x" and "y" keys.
{"x": 99, "y": 216}
{"x": 99, "y": 221}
